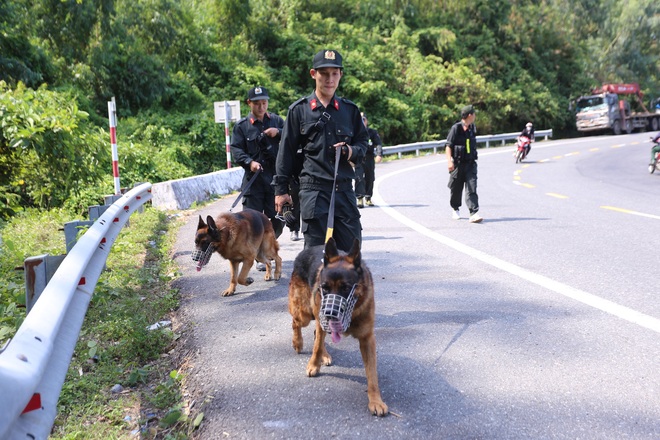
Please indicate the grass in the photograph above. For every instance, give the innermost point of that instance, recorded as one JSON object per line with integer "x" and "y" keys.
{"x": 115, "y": 346}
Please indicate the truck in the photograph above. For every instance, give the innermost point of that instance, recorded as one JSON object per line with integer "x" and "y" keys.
{"x": 604, "y": 110}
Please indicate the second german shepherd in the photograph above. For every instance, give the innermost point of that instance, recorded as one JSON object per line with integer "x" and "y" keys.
{"x": 241, "y": 237}
{"x": 336, "y": 290}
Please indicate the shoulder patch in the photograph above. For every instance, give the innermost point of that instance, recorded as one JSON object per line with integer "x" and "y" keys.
{"x": 298, "y": 102}
{"x": 348, "y": 101}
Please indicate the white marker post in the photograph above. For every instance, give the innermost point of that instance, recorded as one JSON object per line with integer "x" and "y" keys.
{"x": 112, "y": 116}
{"x": 226, "y": 111}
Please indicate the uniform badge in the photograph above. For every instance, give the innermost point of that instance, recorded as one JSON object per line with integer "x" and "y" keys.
{"x": 257, "y": 90}
{"x": 313, "y": 104}
{"x": 336, "y": 105}
{"x": 329, "y": 55}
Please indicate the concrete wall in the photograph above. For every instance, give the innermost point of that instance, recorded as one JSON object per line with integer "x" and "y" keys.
{"x": 182, "y": 193}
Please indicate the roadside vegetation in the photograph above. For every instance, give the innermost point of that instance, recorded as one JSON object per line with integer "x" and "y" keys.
{"x": 125, "y": 379}
{"x": 410, "y": 65}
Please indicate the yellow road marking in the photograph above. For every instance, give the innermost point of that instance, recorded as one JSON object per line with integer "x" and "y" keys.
{"x": 516, "y": 177}
{"x": 528, "y": 185}
{"x": 594, "y": 149}
{"x": 574, "y": 153}
{"x": 559, "y": 196}
{"x": 558, "y": 157}
{"x": 618, "y": 146}
{"x": 628, "y": 211}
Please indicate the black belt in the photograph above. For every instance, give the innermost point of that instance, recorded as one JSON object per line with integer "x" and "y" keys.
{"x": 319, "y": 185}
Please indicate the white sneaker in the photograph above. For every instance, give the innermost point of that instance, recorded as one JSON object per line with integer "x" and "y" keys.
{"x": 455, "y": 214}
{"x": 295, "y": 236}
{"x": 475, "y": 218}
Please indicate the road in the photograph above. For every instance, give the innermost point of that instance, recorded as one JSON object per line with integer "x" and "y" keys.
{"x": 541, "y": 322}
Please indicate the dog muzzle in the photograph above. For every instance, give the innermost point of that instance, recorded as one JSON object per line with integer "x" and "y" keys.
{"x": 336, "y": 312}
{"x": 202, "y": 257}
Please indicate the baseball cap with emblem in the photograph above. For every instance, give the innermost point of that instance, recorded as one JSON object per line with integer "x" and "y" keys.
{"x": 327, "y": 58}
{"x": 257, "y": 93}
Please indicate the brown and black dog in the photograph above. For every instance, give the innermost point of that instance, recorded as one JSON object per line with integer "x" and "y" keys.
{"x": 240, "y": 237}
{"x": 326, "y": 285}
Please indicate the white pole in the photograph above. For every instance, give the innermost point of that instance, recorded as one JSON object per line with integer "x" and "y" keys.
{"x": 227, "y": 141}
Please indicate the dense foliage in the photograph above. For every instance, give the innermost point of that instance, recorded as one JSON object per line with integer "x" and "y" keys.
{"x": 411, "y": 64}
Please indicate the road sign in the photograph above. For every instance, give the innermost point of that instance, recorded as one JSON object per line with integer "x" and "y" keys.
{"x": 234, "y": 111}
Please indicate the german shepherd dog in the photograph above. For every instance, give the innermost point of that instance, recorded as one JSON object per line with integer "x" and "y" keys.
{"x": 239, "y": 237}
{"x": 337, "y": 291}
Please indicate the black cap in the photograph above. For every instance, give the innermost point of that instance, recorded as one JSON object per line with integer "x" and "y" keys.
{"x": 257, "y": 93}
{"x": 327, "y": 58}
{"x": 467, "y": 111}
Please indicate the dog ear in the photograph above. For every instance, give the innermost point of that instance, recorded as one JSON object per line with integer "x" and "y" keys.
{"x": 201, "y": 223}
{"x": 211, "y": 223}
{"x": 330, "y": 251}
{"x": 355, "y": 253}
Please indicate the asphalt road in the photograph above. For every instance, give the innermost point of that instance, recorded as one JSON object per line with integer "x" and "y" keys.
{"x": 541, "y": 322}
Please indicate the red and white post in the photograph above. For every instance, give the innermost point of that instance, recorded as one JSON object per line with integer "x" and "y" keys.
{"x": 227, "y": 141}
{"x": 112, "y": 116}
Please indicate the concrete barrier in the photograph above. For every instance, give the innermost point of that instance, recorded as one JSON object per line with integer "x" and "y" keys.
{"x": 182, "y": 193}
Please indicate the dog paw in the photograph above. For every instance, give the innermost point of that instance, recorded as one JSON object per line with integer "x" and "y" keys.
{"x": 267, "y": 278}
{"x": 248, "y": 281}
{"x": 228, "y": 292}
{"x": 378, "y": 408}
{"x": 313, "y": 370}
{"x": 326, "y": 359}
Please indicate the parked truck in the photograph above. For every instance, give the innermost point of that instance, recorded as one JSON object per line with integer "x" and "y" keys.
{"x": 604, "y": 110}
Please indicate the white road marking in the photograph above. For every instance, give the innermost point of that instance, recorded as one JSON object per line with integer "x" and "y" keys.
{"x": 587, "y": 298}
{"x": 628, "y": 211}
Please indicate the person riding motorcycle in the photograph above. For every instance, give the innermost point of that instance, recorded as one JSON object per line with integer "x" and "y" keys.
{"x": 655, "y": 149}
{"x": 528, "y": 132}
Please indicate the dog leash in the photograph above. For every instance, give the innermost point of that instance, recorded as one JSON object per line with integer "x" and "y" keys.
{"x": 331, "y": 211}
{"x": 240, "y": 196}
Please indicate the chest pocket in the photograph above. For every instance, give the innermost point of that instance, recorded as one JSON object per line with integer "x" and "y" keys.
{"x": 310, "y": 132}
{"x": 344, "y": 134}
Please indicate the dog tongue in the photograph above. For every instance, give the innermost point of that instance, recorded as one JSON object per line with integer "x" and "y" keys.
{"x": 199, "y": 266}
{"x": 335, "y": 329}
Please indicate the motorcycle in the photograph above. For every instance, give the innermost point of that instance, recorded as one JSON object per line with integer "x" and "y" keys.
{"x": 656, "y": 161}
{"x": 523, "y": 147}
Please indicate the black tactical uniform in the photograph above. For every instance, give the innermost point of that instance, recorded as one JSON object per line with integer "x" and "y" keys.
{"x": 463, "y": 144}
{"x": 365, "y": 173}
{"x": 248, "y": 144}
{"x": 315, "y": 129}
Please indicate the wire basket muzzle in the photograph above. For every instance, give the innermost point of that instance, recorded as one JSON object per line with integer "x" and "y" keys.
{"x": 337, "y": 308}
{"x": 202, "y": 257}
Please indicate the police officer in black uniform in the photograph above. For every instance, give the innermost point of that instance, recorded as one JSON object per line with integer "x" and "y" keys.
{"x": 365, "y": 173}
{"x": 319, "y": 124}
{"x": 254, "y": 147}
{"x": 461, "y": 151}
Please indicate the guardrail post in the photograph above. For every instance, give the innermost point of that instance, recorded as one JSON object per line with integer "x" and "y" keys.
{"x": 38, "y": 271}
{"x": 96, "y": 211}
{"x": 71, "y": 230}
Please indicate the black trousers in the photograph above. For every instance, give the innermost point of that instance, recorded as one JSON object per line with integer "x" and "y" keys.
{"x": 295, "y": 190}
{"x": 314, "y": 209}
{"x": 464, "y": 176}
{"x": 365, "y": 175}
{"x": 261, "y": 197}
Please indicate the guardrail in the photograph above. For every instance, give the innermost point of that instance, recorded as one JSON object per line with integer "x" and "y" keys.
{"x": 33, "y": 365}
{"x": 434, "y": 145}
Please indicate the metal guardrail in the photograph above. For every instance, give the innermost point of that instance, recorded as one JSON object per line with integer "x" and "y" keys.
{"x": 33, "y": 365}
{"x": 434, "y": 145}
